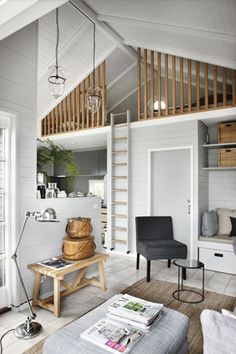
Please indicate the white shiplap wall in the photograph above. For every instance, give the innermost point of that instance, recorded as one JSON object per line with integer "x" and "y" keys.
{"x": 222, "y": 184}
{"x": 18, "y": 94}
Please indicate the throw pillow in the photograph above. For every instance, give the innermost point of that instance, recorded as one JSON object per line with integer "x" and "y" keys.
{"x": 224, "y": 220}
{"x": 209, "y": 223}
{"x": 233, "y": 226}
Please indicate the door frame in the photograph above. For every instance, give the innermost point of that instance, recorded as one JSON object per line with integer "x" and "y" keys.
{"x": 187, "y": 147}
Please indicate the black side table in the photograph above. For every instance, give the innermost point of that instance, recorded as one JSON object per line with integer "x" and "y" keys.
{"x": 189, "y": 264}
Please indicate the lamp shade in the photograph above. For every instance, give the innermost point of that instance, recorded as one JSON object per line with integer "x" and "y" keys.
{"x": 56, "y": 81}
{"x": 47, "y": 215}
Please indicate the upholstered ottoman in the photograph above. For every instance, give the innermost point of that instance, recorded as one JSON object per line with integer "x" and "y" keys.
{"x": 168, "y": 336}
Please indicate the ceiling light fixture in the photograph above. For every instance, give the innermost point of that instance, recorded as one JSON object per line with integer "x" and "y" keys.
{"x": 56, "y": 79}
{"x": 93, "y": 93}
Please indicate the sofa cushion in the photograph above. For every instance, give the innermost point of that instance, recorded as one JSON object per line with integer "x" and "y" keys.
{"x": 233, "y": 226}
{"x": 224, "y": 220}
{"x": 218, "y": 333}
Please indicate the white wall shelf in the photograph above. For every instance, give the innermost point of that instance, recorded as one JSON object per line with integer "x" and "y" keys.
{"x": 219, "y": 146}
{"x": 215, "y": 168}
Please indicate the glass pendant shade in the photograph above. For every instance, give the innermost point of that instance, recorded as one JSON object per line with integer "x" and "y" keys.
{"x": 94, "y": 99}
{"x": 156, "y": 105}
{"x": 56, "y": 81}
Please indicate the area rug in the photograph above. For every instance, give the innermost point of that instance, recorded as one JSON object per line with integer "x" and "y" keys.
{"x": 161, "y": 291}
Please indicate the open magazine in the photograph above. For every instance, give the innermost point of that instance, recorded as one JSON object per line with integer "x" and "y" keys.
{"x": 113, "y": 336}
{"x": 135, "y": 309}
{"x": 55, "y": 263}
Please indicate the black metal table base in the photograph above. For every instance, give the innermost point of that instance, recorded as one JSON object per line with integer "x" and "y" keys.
{"x": 181, "y": 290}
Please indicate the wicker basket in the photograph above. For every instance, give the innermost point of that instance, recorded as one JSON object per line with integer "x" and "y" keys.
{"x": 79, "y": 227}
{"x": 76, "y": 249}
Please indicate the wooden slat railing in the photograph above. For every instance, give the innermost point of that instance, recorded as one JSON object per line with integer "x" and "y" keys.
{"x": 72, "y": 113}
{"x": 173, "y": 85}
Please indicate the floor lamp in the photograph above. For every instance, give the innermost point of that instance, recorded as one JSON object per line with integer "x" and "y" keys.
{"x": 29, "y": 328}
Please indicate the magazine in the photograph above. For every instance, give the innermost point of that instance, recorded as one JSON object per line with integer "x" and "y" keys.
{"x": 113, "y": 336}
{"x": 55, "y": 263}
{"x": 136, "y": 309}
{"x": 135, "y": 324}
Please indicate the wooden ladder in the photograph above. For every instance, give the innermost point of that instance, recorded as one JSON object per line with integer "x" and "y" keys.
{"x": 119, "y": 183}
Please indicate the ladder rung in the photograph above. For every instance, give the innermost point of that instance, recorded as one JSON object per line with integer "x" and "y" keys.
{"x": 119, "y": 177}
{"x": 119, "y": 241}
{"x": 119, "y": 164}
{"x": 121, "y": 138}
{"x": 119, "y": 190}
{"x": 119, "y": 151}
{"x": 120, "y": 125}
{"x": 121, "y": 216}
{"x": 119, "y": 203}
{"x": 119, "y": 228}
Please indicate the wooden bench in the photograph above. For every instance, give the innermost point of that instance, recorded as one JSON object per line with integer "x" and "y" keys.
{"x": 52, "y": 303}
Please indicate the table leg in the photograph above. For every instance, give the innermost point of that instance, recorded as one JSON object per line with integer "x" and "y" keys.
{"x": 203, "y": 281}
{"x": 102, "y": 275}
{"x": 57, "y": 297}
{"x": 37, "y": 286}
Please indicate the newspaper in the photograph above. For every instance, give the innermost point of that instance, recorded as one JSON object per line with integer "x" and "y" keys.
{"x": 135, "y": 309}
{"x": 55, "y": 263}
{"x": 113, "y": 336}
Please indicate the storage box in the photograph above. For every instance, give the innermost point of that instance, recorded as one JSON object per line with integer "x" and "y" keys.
{"x": 227, "y": 158}
{"x": 227, "y": 132}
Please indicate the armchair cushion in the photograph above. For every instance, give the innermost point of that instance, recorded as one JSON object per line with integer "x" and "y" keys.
{"x": 161, "y": 249}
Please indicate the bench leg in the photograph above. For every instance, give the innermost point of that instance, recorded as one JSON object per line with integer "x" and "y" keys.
{"x": 57, "y": 297}
{"x": 138, "y": 260}
{"x": 37, "y": 286}
{"x": 102, "y": 275}
{"x": 148, "y": 270}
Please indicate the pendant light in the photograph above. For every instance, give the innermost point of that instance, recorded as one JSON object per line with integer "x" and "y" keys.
{"x": 56, "y": 79}
{"x": 93, "y": 93}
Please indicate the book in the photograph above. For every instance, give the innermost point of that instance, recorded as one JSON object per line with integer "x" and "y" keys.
{"x": 113, "y": 336}
{"x": 135, "y": 324}
{"x": 55, "y": 263}
{"x": 135, "y": 309}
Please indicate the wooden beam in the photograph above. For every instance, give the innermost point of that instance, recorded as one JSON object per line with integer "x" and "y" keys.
{"x": 92, "y": 113}
{"x": 69, "y": 111}
{"x": 74, "y": 108}
{"x": 145, "y": 84}
{"x": 103, "y": 93}
{"x": 166, "y": 85}
{"x": 224, "y": 89}
{"x": 234, "y": 87}
{"x": 65, "y": 114}
{"x": 139, "y": 81}
{"x": 215, "y": 85}
{"x": 49, "y": 124}
{"x": 53, "y": 121}
{"x": 181, "y": 83}
{"x": 87, "y": 108}
{"x": 152, "y": 82}
{"x": 159, "y": 83}
{"x": 83, "y": 104}
{"x": 197, "y": 85}
{"x": 98, "y": 84}
{"x": 57, "y": 118}
{"x": 189, "y": 85}
{"x": 61, "y": 116}
{"x": 206, "y": 84}
{"x": 78, "y": 115}
{"x": 173, "y": 85}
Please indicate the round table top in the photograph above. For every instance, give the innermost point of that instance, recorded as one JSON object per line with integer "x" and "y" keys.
{"x": 188, "y": 263}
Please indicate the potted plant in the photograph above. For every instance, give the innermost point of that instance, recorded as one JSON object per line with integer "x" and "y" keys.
{"x": 49, "y": 153}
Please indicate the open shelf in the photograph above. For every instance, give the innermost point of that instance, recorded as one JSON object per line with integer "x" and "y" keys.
{"x": 219, "y": 146}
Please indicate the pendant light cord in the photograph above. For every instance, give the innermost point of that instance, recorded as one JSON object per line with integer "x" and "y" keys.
{"x": 94, "y": 37}
{"x": 58, "y": 37}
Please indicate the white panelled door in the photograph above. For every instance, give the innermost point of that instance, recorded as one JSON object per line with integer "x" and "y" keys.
{"x": 171, "y": 190}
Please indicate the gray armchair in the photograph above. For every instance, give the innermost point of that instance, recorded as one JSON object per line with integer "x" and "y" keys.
{"x": 154, "y": 236}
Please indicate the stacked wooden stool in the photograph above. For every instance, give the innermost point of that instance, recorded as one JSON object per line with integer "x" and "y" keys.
{"x": 79, "y": 243}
